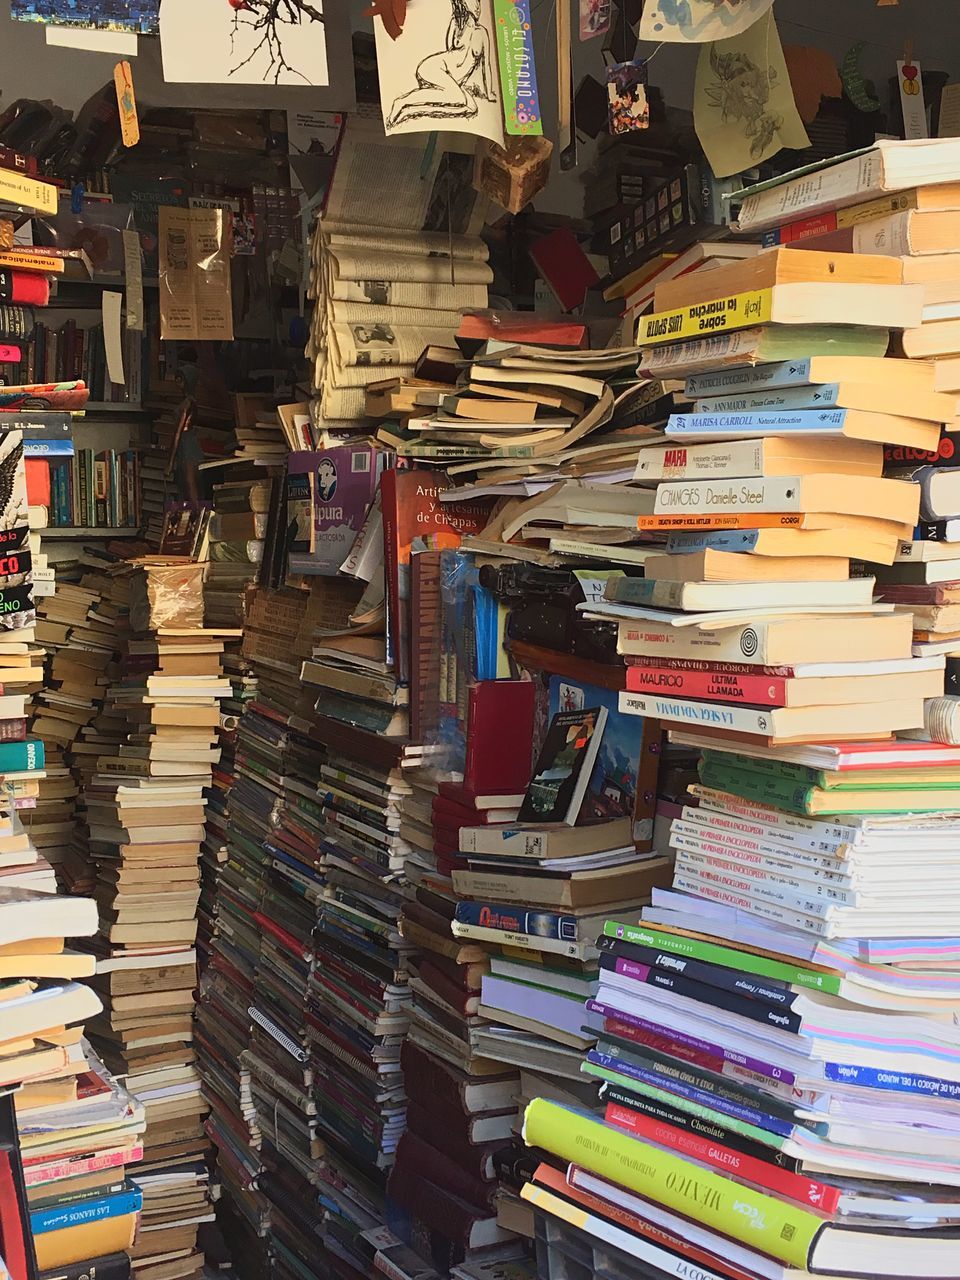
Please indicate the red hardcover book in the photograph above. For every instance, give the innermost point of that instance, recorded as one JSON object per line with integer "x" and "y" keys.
{"x": 465, "y": 1002}
{"x": 477, "y": 327}
{"x": 499, "y": 737}
{"x": 465, "y": 976}
{"x": 38, "y": 481}
{"x": 413, "y": 512}
{"x": 450, "y": 1132}
{"x": 768, "y": 1176}
{"x": 434, "y": 1083}
{"x": 447, "y": 813}
{"x": 565, "y": 267}
{"x": 437, "y": 1207}
{"x": 430, "y": 1162}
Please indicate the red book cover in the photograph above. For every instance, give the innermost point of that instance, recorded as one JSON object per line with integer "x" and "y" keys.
{"x": 564, "y": 266}
{"x": 38, "y": 481}
{"x": 449, "y": 992}
{"x": 449, "y": 1133}
{"x": 519, "y": 326}
{"x": 499, "y": 737}
{"x": 414, "y": 517}
{"x": 754, "y": 691}
{"x": 767, "y": 1176}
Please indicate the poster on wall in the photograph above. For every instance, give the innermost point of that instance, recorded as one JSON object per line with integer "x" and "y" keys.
{"x": 269, "y": 42}
{"x": 138, "y": 17}
{"x": 441, "y": 72}
{"x": 697, "y": 21}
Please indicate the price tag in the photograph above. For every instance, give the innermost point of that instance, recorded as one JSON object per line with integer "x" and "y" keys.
{"x": 911, "y": 99}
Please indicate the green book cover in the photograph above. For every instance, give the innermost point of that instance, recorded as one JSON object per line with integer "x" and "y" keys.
{"x": 729, "y": 957}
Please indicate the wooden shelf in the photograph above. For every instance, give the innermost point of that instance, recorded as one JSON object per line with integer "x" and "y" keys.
{"x": 112, "y": 406}
{"x": 75, "y": 531}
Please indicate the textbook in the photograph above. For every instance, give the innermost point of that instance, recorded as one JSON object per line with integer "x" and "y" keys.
{"x": 776, "y": 641}
{"x": 855, "y": 423}
{"x": 886, "y": 306}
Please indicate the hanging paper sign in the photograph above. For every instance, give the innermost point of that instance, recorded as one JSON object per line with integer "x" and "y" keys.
{"x": 133, "y": 275}
{"x": 595, "y": 18}
{"x": 627, "y": 97}
{"x": 911, "y": 100}
{"x": 518, "y": 72}
{"x": 854, "y": 84}
{"x": 127, "y": 103}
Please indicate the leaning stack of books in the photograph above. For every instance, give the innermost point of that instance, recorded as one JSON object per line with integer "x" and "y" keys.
{"x": 145, "y": 813}
{"x": 774, "y": 1038}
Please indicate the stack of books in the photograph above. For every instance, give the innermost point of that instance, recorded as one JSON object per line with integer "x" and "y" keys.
{"x": 774, "y": 1044}
{"x": 145, "y": 814}
{"x": 235, "y": 546}
{"x": 389, "y": 278}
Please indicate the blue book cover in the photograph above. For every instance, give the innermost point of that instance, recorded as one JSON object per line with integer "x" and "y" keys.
{"x": 21, "y": 757}
{"x": 891, "y": 1080}
{"x": 82, "y": 1212}
{"x": 701, "y": 1097}
{"x": 48, "y": 448}
{"x": 761, "y": 377}
{"x": 611, "y": 791}
{"x": 538, "y": 924}
{"x": 759, "y": 423}
{"x": 712, "y": 540}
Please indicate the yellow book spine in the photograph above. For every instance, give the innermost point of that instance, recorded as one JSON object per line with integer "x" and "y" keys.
{"x": 28, "y": 193}
{"x": 896, "y": 202}
{"x": 785, "y": 1231}
{"x": 700, "y": 319}
{"x": 85, "y": 1240}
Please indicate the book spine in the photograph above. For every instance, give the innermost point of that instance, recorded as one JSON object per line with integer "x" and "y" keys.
{"x": 821, "y": 396}
{"x": 736, "y": 311}
{"x": 538, "y": 924}
{"x": 775, "y": 1227}
{"x": 824, "y": 421}
{"x": 892, "y": 1080}
{"x": 778, "y": 1015}
{"x": 777, "y": 1181}
{"x": 681, "y": 1116}
{"x": 605, "y": 1066}
{"x": 717, "y": 715}
{"x": 111, "y": 1266}
{"x": 84, "y": 1212}
{"x": 21, "y": 757}
{"x": 523, "y": 941}
{"x": 765, "y": 788}
{"x": 13, "y": 730}
{"x": 656, "y": 941}
{"x": 732, "y": 643}
{"x": 757, "y": 690}
{"x": 860, "y": 175}
{"x": 661, "y": 1262}
{"x": 712, "y": 975}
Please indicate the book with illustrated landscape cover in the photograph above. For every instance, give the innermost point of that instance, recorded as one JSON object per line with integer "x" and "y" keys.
{"x": 565, "y": 765}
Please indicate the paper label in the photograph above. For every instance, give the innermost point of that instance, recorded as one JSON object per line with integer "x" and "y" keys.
{"x": 133, "y": 275}
{"x": 18, "y": 189}
{"x": 112, "y": 338}
{"x": 195, "y": 298}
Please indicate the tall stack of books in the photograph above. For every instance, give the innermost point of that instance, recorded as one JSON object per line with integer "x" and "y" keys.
{"x": 774, "y": 1044}
{"x": 389, "y": 278}
{"x": 145, "y": 813}
{"x": 236, "y": 534}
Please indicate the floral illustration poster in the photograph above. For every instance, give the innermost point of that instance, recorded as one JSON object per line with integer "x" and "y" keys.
{"x": 743, "y": 106}
{"x": 696, "y": 21}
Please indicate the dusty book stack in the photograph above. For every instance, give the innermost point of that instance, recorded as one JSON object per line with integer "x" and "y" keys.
{"x": 391, "y": 278}
{"x": 771, "y": 1029}
{"x": 145, "y": 815}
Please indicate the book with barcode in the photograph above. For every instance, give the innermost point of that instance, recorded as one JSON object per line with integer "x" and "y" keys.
{"x": 342, "y": 483}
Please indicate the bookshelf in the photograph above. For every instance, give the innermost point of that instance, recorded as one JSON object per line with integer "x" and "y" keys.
{"x": 54, "y": 533}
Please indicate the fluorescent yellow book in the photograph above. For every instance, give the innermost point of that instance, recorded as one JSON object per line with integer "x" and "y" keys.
{"x": 888, "y": 306}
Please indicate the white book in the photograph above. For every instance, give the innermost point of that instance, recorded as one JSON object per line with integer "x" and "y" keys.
{"x": 918, "y": 549}
{"x": 778, "y": 722}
